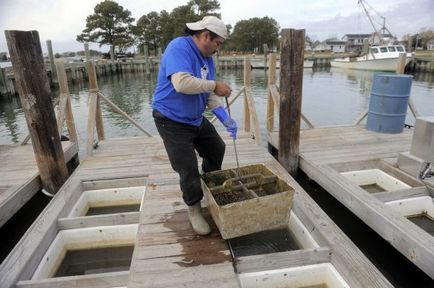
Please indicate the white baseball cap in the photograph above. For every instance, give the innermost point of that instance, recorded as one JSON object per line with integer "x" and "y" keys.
{"x": 210, "y": 23}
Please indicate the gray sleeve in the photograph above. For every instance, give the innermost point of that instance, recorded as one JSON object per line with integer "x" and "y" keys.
{"x": 183, "y": 82}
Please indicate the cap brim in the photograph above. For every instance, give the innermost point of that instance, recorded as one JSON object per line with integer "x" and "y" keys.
{"x": 194, "y": 26}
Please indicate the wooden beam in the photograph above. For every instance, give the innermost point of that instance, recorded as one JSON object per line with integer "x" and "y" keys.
{"x": 35, "y": 95}
{"x": 100, "y": 280}
{"x": 281, "y": 260}
{"x": 291, "y": 84}
{"x": 247, "y": 83}
{"x": 128, "y": 117}
{"x": 98, "y": 220}
{"x": 86, "y": 51}
{"x": 402, "y": 194}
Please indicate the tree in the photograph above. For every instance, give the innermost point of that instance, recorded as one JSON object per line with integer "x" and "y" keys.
{"x": 156, "y": 30}
{"x": 205, "y": 7}
{"x": 110, "y": 24}
{"x": 250, "y": 35}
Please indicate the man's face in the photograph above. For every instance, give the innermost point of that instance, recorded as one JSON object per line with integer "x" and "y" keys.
{"x": 209, "y": 46}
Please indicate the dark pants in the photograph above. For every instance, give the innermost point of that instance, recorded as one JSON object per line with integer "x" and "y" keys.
{"x": 181, "y": 141}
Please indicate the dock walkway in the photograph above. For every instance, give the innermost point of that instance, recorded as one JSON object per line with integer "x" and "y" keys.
{"x": 167, "y": 252}
{"x": 326, "y": 152}
{"x": 19, "y": 176}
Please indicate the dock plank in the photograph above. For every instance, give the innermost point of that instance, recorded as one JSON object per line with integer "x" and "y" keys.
{"x": 19, "y": 176}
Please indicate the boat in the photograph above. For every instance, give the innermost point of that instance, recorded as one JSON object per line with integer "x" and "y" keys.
{"x": 379, "y": 58}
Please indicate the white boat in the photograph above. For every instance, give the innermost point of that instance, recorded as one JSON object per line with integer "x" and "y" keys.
{"x": 379, "y": 58}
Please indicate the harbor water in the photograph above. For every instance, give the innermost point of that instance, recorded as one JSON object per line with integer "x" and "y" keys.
{"x": 330, "y": 97}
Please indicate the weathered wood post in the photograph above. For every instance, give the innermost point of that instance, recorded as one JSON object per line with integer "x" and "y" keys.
{"x": 65, "y": 106}
{"x": 270, "y": 102}
{"x": 86, "y": 51}
{"x": 147, "y": 62}
{"x": 291, "y": 84}
{"x": 95, "y": 115}
{"x": 249, "y": 104}
{"x": 35, "y": 95}
{"x": 401, "y": 63}
{"x": 51, "y": 56}
{"x": 400, "y": 69}
{"x": 112, "y": 53}
{"x": 265, "y": 48}
{"x": 247, "y": 83}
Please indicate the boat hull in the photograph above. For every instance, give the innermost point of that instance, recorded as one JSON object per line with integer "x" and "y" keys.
{"x": 388, "y": 64}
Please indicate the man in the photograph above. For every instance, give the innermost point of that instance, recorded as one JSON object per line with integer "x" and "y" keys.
{"x": 185, "y": 87}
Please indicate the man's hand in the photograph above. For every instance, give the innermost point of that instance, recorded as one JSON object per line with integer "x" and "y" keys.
{"x": 222, "y": 89}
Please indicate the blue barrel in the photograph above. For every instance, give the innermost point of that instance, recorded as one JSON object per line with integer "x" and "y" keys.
{"x": 388, "y": 103}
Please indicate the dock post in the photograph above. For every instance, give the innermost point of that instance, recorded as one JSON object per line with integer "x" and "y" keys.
{"x": 270, "y": 100}
{"x": 247, "y": 83}
{"x": 147, "y": 62}
{"x": 65, "y": 106}
{"x": 3, "y": 86}
{"x": 95, "y": 115}
{"x": 291, "y": 84}
{"x": 35, "y": 95}
{"x": 265, "y": 47}
{"x": 86, "y": 51}
{"x": 51, "y": 56}
{"x": 400, "y": 69}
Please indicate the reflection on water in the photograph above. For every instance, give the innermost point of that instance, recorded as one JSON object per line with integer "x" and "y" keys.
{"x": 330, "y": 97}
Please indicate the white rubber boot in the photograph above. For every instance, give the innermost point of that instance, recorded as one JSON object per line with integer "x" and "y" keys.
{"x": 200, "y": 226}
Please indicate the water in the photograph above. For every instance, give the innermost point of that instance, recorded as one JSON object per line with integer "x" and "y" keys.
{"x": 330, "y": 97}
{"x": 424, "y": 221}
{"x": 112, "y": 209}
{"x": 271, "y": 241}
{"x": 96, "y": 260}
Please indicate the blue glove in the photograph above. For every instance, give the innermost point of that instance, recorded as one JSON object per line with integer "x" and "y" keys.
{"x": 227, "y": 121}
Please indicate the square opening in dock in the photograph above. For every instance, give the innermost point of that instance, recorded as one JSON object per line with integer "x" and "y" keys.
{"x": 419, "y": 210}
{"x": 109, "y": 201}
{"x": 294, "y": 236}
{"x": 375, "y": 180}
{"x": 88, "y": 251}
{"x": 313, "y": 276}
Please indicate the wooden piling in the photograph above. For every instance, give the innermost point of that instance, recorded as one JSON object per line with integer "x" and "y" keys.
{"x": 401, "y": 63}
{"x": 247, "y": 82}
{"x": 265, "y": 47}
{"x": 51, "y": 56}
{"x": 35, "y": 95}
{"x": 65, "y": 106}
{"x": 291, "y": 84}
{"x": 86, "y": 51}
{"x": 271, "y": 82}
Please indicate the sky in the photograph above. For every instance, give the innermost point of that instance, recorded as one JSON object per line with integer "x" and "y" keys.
{"x": 61, "y": 20}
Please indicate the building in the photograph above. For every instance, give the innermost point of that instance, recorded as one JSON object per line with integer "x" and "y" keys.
{"x": 333, "y": 45}
{"x": 430, "y": 45}
{"x": 354, "y": 42}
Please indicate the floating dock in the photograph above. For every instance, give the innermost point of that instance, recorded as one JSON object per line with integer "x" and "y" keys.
{"x": 19, "y": 176}
{"x": 327, "y": 154}
{"x": 167, "y": 252}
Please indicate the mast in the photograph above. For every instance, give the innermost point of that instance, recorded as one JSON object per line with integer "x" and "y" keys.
{"x": 361, "y": 2}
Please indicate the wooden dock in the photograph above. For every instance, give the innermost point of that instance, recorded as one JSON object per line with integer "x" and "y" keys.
{"x": 167, "y": 252}
{"x": 326, "y": 152}
{"x": 19, "y": 176}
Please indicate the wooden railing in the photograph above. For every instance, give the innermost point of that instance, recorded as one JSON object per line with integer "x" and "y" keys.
{"x": 95, "y": 116}
{"x": 249, "y": 109}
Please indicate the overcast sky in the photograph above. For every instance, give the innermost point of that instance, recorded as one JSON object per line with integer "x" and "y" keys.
{"x": 62, "y": 20}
